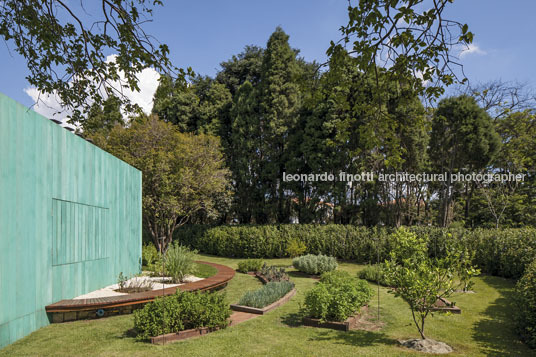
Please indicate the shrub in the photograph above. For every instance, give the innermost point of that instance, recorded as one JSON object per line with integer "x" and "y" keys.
{"x": 179, "y": 262}
{"x": 273, "y": 273}
{"x": 314, "y": 264}
{"x": 181, "y": 311}
{"x": 525, "y": 299}
{"x": 337, "y": 297}
{"x": 295, "y": 248}
{"x": 249, "y": 265}
{"x": 374, "y": 273}
{"x": 149, "y": 255}
{"x": 266, "y": 295}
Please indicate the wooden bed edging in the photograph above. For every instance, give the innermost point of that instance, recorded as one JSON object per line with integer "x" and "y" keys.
{"x": 264, "y": 310}
{"x": 217, "y": 281}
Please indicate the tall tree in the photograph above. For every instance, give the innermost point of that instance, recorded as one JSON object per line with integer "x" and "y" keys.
{"x": 279, "y": 98}
{"x": 463, "y": 140}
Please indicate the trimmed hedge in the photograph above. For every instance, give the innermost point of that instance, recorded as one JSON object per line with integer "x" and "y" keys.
{"x": 504, "y": 252}
{"x": 525, "y": 299}
{"x": 266, "y": 295}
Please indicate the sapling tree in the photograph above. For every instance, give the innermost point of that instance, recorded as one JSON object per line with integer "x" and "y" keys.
{"x": 417, "y": 278}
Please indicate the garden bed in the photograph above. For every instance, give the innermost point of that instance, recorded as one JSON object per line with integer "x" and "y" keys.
{"x": 444, "y": 305}
{"x": 345, "y": 325}
{"x": 262, "y": 311}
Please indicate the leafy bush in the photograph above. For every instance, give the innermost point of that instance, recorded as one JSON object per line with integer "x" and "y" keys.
{"x": 336, "y": 297}
{"x": 314, "y": 264}
{"x": 181, "y": 311}
{"x": 273, "y": 273}
{"x": 149, "y": 255}
{"x": 266, "y": 295}
{"x": 249, "y": 265}
{"x": 295, "y": 248}
{"x": 179, "y": 262}
{"x": 525, "y": 299}
{"x": 373, "y": 273}
{"x": 502, "y": 252}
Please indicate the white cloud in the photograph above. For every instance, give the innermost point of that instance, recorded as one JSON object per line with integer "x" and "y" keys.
{"x": 49, "y": 105}
{"x": 471, "y": 49}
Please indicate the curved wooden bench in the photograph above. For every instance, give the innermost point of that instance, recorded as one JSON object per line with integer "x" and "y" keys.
{"x": 217, "y": 281}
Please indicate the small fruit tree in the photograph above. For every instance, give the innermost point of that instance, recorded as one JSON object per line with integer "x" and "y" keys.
{"x": 417, "y": 278}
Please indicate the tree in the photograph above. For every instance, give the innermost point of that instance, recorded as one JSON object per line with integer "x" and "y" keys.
{"x": 183, "y": 174}
{"x": 463, "y": 139}
{"x": 102, "y": 118}
{"x": 417, "y": 278}
{"x": 66, "y": 48}
{"x": 412, "y": 40}
{"x": 279, "y": 99}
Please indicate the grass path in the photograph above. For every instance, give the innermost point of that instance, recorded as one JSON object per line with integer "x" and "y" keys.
{"x": 484, "y": 328}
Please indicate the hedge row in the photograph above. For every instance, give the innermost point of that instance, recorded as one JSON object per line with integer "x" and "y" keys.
{"x": 504, "y": 252}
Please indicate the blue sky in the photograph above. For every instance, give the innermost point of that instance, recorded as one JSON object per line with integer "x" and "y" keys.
{"x": 202, "y": 33}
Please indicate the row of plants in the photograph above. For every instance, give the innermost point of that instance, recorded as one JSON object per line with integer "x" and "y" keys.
{"x": 267, "y": 294}
{"x": 336, "y": 297}
{"x": 181, "y": 311}
{"x": 501, "y": 252}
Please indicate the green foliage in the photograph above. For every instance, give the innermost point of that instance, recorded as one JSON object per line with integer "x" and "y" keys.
{"x": 336, "y": 297}
{"x": 181, "y": 311}
{"x": 374, "y": 273}
{"x": 179, "y": 262}
{"x": 401, "y": 37}
{"x": 273, "y": 273}
{"x": 68, "y": 56}
{"x": 122, "y": 280}
{"x": 269, "y": 293}
{"x": 346, "y": 242}
{"x": 149, "y": 255}
{"x": 183, "y": 174}
{"x": 525, "y": 299}
{"x": 419, "y": 279}
{"x": 250, "y": 265}
{"x": 463, "y": 139}
{"x": 295, "y": 248}
{"x": 314, "y": 264}
{"x": 501, "y": 252}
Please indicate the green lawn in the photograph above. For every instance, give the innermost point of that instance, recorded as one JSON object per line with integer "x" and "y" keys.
{"x": 484, "y": 328}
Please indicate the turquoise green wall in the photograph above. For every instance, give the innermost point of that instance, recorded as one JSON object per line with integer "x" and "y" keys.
{"x": 70, "y": 218}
